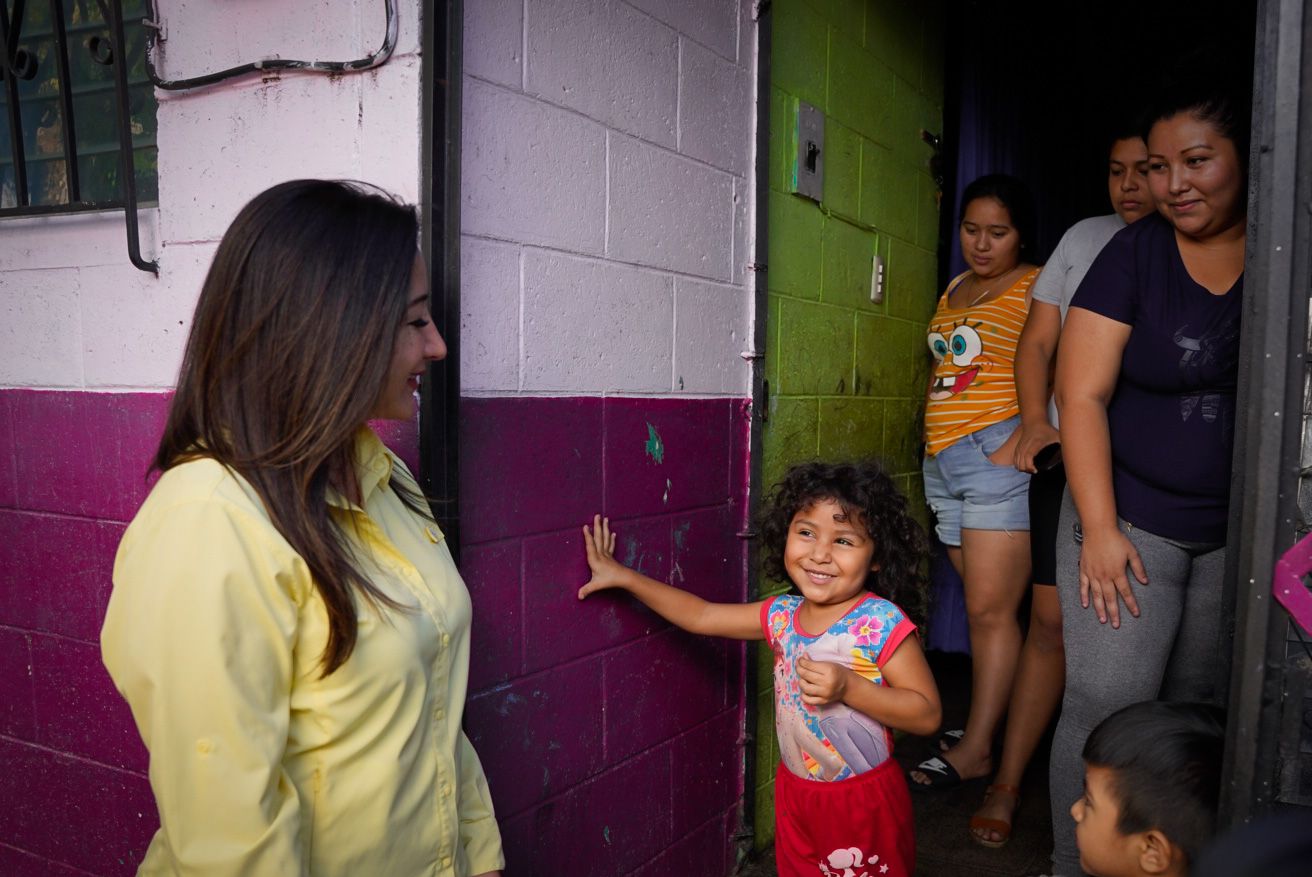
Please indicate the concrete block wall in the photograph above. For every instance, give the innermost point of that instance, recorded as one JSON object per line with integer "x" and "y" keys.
{"x": 605, "y": 200}
{"x": 847, "y": 376}
{"x": 89, "y": 349}
{"x": 606, "y": 206}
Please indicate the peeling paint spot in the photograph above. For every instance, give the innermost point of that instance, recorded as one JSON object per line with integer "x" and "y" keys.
{"x": 666, "y": 498}
{"x": 681, "y": 533}
{"x": 655, "y": 447}
{"x": 503, "y": 708}
{"x": 630, "y": 552}
{"x": 605, "y": 832}
{"x": 676, "y": 574}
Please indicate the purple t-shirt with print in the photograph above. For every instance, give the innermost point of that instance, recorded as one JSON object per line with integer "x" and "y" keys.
{"x": 1172, "y": 417}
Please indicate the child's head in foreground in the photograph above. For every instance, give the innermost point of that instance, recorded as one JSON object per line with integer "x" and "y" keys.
{"x": 1151, "y": 782}
{"x": 837, "y": 529}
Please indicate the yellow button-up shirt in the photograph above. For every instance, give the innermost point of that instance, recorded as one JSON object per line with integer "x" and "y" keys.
{"x": 258, "y": 764}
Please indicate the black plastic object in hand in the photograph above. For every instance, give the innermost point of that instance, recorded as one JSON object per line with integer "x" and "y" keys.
{"x": 1048, "y": 457}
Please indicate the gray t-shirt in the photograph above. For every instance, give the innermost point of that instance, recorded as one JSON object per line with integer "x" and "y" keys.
{"x": 1075, "y": 252}
{"x": 1082, "y": 242}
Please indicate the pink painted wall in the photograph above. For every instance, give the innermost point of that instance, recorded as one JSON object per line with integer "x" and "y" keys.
{"x": 612, "y": 742}
{"x": 74, "y": 798}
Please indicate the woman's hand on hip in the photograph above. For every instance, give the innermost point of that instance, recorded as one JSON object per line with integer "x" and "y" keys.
{"x": 1034, "y": 438}
{"x": 1104, "y": 558}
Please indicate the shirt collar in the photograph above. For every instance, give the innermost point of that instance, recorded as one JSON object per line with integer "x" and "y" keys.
{"x": 373, "y": 468}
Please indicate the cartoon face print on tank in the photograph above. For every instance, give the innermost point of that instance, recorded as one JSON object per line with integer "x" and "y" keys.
{"x": 959, "y": 355}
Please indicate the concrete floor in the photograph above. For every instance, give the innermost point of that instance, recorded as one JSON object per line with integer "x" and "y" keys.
{"x": 943, "y": 844}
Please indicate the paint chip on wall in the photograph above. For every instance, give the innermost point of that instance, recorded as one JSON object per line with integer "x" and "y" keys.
{"x": 655, "y": 447}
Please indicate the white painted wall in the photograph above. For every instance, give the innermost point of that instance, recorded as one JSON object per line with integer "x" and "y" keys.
{"x": 606, "y": 196}
{"x": 74, "y": 313}
{"x": 606, "y": 191}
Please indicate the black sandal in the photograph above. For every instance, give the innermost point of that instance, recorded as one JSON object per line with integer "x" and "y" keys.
{"x": 942, "y": 775}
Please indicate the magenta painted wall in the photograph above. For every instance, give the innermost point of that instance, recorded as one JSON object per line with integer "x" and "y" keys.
{"x": 612, "y": 742}
{"x": 74, "y": 798}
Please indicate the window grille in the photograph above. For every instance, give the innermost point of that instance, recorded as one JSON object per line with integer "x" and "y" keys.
{"x": 65, "y": 97}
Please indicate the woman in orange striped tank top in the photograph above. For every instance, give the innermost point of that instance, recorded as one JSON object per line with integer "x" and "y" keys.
{"x": 979, "y": 498}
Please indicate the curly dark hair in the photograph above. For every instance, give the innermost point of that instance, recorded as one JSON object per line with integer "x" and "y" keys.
{"x": 867, "y": 494}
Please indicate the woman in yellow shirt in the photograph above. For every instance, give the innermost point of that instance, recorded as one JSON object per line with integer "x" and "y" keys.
{"x": 287, "y": 623}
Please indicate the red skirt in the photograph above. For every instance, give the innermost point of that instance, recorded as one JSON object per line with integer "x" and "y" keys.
{"x": 857, "y": 827}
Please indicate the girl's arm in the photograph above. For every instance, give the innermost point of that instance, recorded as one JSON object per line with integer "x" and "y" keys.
{"x": 1034, "y": 356}
{"x": 908, "y": 701}
{"x": 1088, "y": 365}
{"x": 688, "y": 611}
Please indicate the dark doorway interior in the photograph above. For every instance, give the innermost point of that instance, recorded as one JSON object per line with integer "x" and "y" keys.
{"x": 1035, "y": 89}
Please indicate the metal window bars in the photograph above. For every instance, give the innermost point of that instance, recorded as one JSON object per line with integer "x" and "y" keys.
{"x": 46, "y": 81}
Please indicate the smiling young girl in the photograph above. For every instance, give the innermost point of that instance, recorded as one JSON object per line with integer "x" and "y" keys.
{"x": 847, "y": 667}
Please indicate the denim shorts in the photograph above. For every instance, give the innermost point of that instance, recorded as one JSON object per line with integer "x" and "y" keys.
{"x": 966, "y": 491}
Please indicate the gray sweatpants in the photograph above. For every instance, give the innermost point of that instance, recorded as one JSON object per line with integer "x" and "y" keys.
{"x": 1171, "y": 651}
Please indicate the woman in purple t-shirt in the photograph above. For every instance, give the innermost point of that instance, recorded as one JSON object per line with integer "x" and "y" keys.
{"x": 1145, "y": 386}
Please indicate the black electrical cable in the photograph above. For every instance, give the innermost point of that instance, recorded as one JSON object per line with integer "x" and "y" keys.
{"x": 153, "y": 27}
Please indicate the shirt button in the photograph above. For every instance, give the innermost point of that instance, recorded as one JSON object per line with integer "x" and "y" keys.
{"x": 446, "y": 639}
{"x": 446, "y": 863}
{"x": 438, "y": 713}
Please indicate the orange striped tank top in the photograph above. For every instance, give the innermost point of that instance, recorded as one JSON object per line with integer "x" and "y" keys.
{"x": 974, "y": 349}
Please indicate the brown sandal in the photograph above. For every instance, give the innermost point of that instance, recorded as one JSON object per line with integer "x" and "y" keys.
{"x": 988, "y": 823}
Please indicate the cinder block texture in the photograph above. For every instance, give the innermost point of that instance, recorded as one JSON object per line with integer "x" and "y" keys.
{"x": 531, "y": 172}
{"x": 609, "y": 696}
{"x": 541, "y": 735}
{"x": 489, "y": 315}
{"x": 713, "y": 23}
{"x": 493, "y": 574}
{"x": 595, "y": 325}
{"x": 494, "y": 39}
{"x": 78, "y": 813}
{"x": 669, "y": 212}
{"x": 606, "y": 60}
{"x": 710, "y": 335}
{"x": 715, "y": 104}
{"x": 600, "y": 828}
{"x": 41, "y": 333}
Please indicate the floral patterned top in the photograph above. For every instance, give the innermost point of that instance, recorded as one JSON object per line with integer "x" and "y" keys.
{"x": 834, "y": 741}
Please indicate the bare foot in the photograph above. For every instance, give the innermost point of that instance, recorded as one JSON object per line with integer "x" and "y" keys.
{"x": 999, "y": 808}
{"x": 968, "y": 765}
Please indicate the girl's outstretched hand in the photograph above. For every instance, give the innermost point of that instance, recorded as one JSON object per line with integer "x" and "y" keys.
{"x": 607, "y": 572}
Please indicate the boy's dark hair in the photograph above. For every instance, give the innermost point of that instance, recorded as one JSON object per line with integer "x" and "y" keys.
{"x": 1165, "y": 760}
{"x": 1012, "y": 194}
{"x": 867, "y": 494}
{"x": 1123, "y": 126}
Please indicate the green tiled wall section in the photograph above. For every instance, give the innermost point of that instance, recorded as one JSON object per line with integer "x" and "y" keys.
{"x": 846, "y": 376}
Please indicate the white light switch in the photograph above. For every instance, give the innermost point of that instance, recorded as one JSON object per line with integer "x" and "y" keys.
{"x": 877, "y": 280}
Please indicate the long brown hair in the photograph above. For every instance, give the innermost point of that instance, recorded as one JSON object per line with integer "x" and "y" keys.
{"x": 288, "y": 353}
